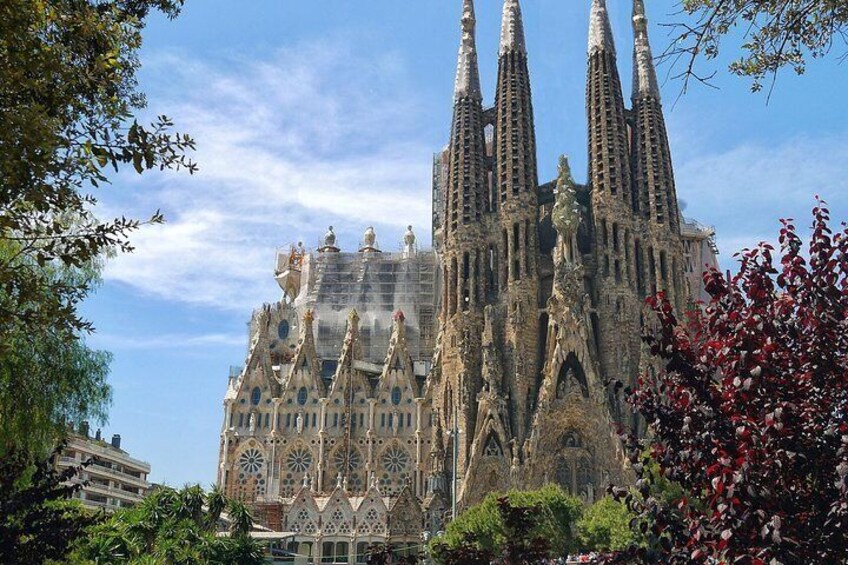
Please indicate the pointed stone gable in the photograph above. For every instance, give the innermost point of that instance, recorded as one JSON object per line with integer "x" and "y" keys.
{"x": 397, "y": 369}
{"x": 305, "y": 370}
{"x": 347, "y": 375}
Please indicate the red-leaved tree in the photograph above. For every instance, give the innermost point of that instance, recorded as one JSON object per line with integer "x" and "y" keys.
{"x": 750, "y": 413}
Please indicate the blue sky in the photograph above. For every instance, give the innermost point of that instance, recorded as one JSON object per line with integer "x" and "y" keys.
{"x": 319, "y": 112}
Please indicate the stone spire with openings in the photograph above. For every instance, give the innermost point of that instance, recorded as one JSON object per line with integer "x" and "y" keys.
{"x": 616, "y": 229}
{"x": 464, "y": 247}
{"x": 516, "y": 181}
{"x": 653, "y": 174}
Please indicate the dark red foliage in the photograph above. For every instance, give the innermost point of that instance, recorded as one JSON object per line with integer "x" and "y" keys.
{"x": 750, "y": 415}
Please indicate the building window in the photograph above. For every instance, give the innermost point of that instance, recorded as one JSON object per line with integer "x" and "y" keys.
{"x": 255, "y": 396}
{"x": 283, "y": 329}
{"x": 396, "y": 395}
{"x": 302, "y": 395}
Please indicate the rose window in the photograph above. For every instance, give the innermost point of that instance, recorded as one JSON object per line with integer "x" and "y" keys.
{"x": 354, "y": 460}
{"x": 395, "y": 460}
{"x": 299, "y": 460}
{"x": 251, "y": 461}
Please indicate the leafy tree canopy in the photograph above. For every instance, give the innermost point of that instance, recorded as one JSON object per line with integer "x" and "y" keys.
{"x": 38, "y": 522}
{"x": 605, "y": 526}
{"x": 172, "y": 527}
{"x": 68, "y": 103}
{"x": 48, "y": 379}
{"x": 751, "y": 412}
{"x": 775, "y": 34}
{"x": 486, "y": 527}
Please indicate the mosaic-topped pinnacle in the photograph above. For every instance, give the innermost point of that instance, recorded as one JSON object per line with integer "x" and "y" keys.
{"x": 644, "y": 73}
{"x": 600, "y": 31}
{"x": 512, "y": 28}
{"x": 467, "y": 72}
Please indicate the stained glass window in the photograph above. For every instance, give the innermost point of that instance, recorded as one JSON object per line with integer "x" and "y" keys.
{"x": 302, "y": 395}
{"x": 255, "y": 396}
{"x": 396, "y": 395}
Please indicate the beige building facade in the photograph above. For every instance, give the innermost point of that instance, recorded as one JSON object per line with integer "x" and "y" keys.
{"x": 113, "y": 479}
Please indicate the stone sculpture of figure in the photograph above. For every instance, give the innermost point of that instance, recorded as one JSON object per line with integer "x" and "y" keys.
{"x": 298, "y": 423}
{"x": 590, "y": 493}
{"x": 568, "y": 384}
{"x": 252, "y": 423}
{"x": 394, "y": 422}
{"x": 330, "y": 238}
{"x": 465, "y": 346}
{"x": 409, "y": 242}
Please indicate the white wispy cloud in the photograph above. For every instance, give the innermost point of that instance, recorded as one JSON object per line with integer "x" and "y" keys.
{"x": 312, "y": 137}
{"x": 746, "y": 189}
{"x": 114, "y": 342}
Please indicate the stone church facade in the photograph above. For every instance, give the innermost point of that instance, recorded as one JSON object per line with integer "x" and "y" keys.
{"x": 496, "y": 353}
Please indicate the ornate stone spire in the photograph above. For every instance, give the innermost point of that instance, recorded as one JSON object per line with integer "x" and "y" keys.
{"x": 600, "y": 32}
{"x": 512, "y": 28}
{"x": 467, "y": 72}
{"x": 644, "y": 73}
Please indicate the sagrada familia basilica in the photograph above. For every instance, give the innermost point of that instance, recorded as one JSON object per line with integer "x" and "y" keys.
{"x": 383, "y": 386}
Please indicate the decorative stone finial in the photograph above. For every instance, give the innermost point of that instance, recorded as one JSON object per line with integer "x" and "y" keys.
{"x": 339, "y": 480}
{"x": 644, "y": 73}
{"x": 467, "y": 72}
{"x": 369, "y": 241}
{"x": 399, "y": 316}
{"x": 353, "y": 316}
{"x": 512, "y": 28}
{"x": 600, "y": 32}
{"x": 308, "y": 316}
{"x": 566, "y": 212}
{"x": 329, "y": 245}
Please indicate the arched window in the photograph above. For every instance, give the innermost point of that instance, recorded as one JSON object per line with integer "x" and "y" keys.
{"x": 302, "y": 395}
{"x": 396, "y": 395}
{"x": 255, "y": 396}
{"x": 283, "y": 329}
